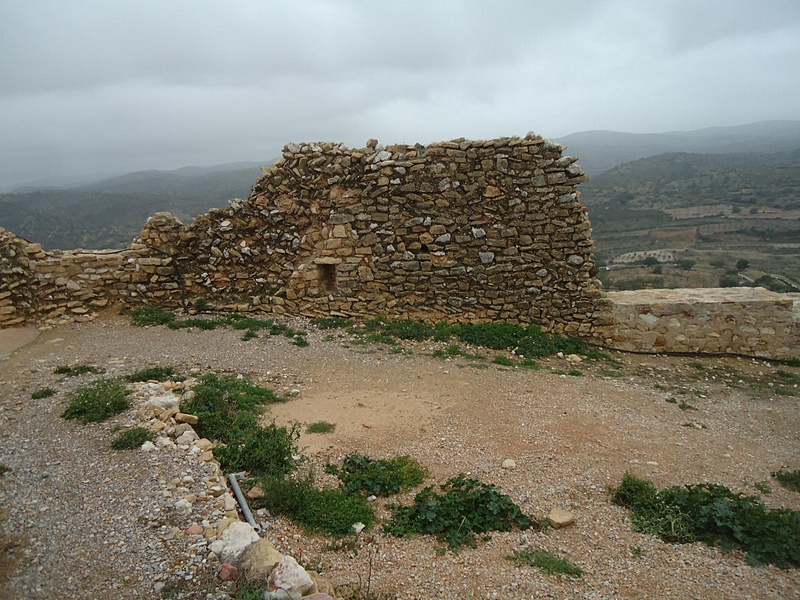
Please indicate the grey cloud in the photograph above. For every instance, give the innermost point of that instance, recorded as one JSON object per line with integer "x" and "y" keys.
{"x": 96, "y": 85}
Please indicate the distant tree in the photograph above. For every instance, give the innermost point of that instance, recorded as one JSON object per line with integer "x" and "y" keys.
{"x": 686, "y": 264}
{"x": 742, "y": 264}
{"x": 650, "y": 261}
{"x": 728, "y": 281}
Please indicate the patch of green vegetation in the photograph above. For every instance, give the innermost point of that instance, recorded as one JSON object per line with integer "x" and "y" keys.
{"x": 331, "y": 323}
{"x": 228, "y": 408}
{"x": 685, "y": 406}
{"x": 550, "y": 563}
{"x": 763, "y": 487}
{"x": 328, "y": 511}
{"x": 466, "y": 508}
{"x": 503, "y": 360}
{"x": 575, "y": 373}
{"x": 97, "y": 401}
{"x": 715, "y": 515}
{"x": 529, "y": 364}
{"x": 250, "y": 325}
{"x": 75, "y": 370}
{"x": 696, "y": 365}
{"x": 611, "y": 373}
{"x": 381, "y": 477}
{"x": 131, "y": 439}
{"x": 637, "y": 552}
{"x": 200, "y": 305}
{"x": 151, "y": 316}
{"x": 261, "y": 450}
{"x": 671, "y": 400}
{"x": 320, "y": 427}
{"x": 155, "y": 374}
{"x": 43, "y": 393}
{"x": 788, "y": 479}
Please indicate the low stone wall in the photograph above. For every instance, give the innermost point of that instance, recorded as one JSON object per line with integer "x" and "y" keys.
{"x": 751, "y": 321}
{"x": 38, "y": 286}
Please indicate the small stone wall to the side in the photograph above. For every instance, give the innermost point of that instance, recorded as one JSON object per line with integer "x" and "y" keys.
{"x": 749, "y": 321}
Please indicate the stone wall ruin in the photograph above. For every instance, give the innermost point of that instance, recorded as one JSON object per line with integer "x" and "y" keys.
{"x": 460, "y": 230}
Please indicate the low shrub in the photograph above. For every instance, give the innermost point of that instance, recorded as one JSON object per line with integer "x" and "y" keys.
{"x": 263, "y": 451}
{"x": 97, "y": 401}
{"x": 788, "y": 479}
{"x": 151, "y": 316}
{"x": 715, "y": 515}
{"x": 548, "y": 562}
{"x": 320, "y": 427}
{"x": 43, "y": 393}
{"x": 75, "y": 370}
{"x": 381, "y": 477}
{"x": 328, "y": 511}
{"x": 154, "y": 374}
{"x": 503, "y": 360}
{"x": 227, "y": 405}
{"x": 131, "y": 439}
{"x": 466, "y": 508}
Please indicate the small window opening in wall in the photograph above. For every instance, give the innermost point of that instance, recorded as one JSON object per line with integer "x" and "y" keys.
{"x": 326, "y": 274}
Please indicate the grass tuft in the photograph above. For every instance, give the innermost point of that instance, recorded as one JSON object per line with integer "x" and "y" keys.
{"x": 132, "y": 438}
{"x": 550, "y": 563}
{"x": 788, "y": 479}
{"x": 320, "y": 427}
{"x": 43, "y": 393}
{"x": 328, "y": 511}
{"x": 97, "y": 401}
{"x": 75, "y": 370}
{"x": 154, "y": 374}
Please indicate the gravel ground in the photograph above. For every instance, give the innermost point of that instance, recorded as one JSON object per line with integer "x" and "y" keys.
{"x": 93, "y": 522}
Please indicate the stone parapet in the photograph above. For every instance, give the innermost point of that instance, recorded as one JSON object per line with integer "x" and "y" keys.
{"x": 750, "y": 321}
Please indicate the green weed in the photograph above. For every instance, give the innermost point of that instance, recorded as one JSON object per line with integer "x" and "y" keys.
{"x": 131, "y": 439}
{"x": 263, "y": 451}
{"x": 331, "y": 323}
{"x": 320, "y": 427}
{"x": 43, "y": 393}
{"x": 154, "y": 374}
{"x": 788, "y": 479}
{"x": 97, "y": 401}
{"x": 75, "y": 370}
{"x": 151, "y": 316}
{"x": 228, "y": 408}
{"x": 381, "y": 477}
{"x": 550, "y": 563}
{"x": 503, "y": 360}
{"x": 466, "y": 508}
{"x": 333, "y": 512}
{"x": 715, "y": 515}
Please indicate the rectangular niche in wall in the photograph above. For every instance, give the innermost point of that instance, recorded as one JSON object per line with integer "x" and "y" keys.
{"x": 326, "y": 273}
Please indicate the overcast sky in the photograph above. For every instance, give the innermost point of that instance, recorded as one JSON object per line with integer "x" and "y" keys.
{"x": 117, "y": 86}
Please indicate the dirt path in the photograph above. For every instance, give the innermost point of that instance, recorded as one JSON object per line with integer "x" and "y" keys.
{"x": 674, "y": 420}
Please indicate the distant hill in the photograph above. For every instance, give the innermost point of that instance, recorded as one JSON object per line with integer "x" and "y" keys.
{"x": 601, "y": 150}
{"x": 710, "y": 210}
{"x": 109, "y": 213}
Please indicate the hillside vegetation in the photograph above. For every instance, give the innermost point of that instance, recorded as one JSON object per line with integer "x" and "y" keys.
{"x": 683, "y": 219}
{"x": 110, "y": 213}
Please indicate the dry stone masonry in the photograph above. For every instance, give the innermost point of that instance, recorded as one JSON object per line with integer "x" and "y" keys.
{"x": 463, "y": 231}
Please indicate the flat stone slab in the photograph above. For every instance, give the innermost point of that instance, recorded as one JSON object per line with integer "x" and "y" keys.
{"x": 14, "y": 338}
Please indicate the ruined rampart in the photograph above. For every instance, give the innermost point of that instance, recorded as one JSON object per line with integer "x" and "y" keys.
{"x": 461, "y": 231}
